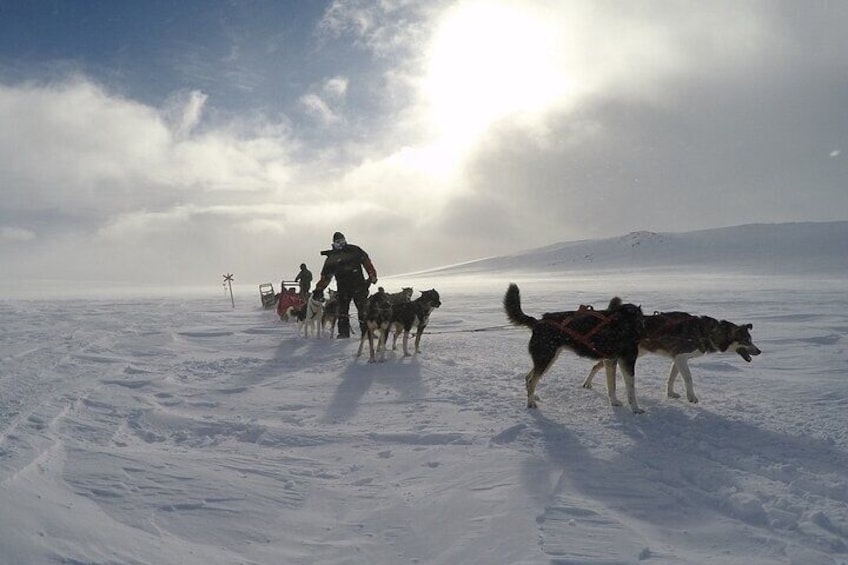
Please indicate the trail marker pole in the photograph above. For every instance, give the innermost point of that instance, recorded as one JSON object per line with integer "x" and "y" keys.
{"x": 228, "y": 280}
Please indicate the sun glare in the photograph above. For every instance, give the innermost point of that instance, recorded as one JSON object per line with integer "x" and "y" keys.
{"x": 490, "y": 60}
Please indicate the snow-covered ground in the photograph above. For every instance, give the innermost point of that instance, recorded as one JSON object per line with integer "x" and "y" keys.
{"x": 177, "y": 429}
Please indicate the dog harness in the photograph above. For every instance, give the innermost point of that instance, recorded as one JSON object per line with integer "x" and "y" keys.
{"x": 670, "y": 319}
{"x": 583, "y": 338}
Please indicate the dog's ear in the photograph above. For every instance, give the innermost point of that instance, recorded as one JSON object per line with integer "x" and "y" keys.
{"x": 749, "y": 326}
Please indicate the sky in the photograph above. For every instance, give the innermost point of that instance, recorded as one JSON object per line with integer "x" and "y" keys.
{"x": 166, "y": 142}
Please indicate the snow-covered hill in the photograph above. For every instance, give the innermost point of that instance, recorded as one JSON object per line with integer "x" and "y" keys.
{"x": 793, "y": 248}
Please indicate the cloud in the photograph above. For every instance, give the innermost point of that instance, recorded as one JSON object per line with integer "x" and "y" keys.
{"x": 327, "y": 105}
{"x": 439, "y": 132}
{"x": 81, "y": 163}
{"x": 591, "y": 120}
{"x": 9, "y": 234}
{"x": 391, "y": 29}
{"x": 74, "y": 145}
{"x": 182, "y": 111}
{"x": 660, "y": 116}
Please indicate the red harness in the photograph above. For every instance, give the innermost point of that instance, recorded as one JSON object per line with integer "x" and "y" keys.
{"x": 671, "y": 320}
{"x": 583, "y": 338}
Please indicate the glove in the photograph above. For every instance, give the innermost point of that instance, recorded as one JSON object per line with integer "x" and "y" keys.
{"x": 373, "y": 279}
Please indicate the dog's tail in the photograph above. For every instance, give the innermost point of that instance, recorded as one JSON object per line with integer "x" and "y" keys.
{"x": 512, "y": 306}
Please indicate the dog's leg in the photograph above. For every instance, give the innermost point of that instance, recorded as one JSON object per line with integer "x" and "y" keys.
{"x": 628, "y": 371}
{"x": 609, "y": 370}
{"x": 683, "y": 366}
{"x": 395, "y": 338}
{"x": 542, "y": 355}
{"x": 367, "y": 333}
{"x": 597, "y": 367}
{"x": 405, "y": 342}
{"x": 381, "y": 342}
{"x": 672, "y": 375}
{"x": 370, "y": 331}
{"x": 418, "y": 337}
{"x": 361, "y": 345}
{"x": 530, "y": 381}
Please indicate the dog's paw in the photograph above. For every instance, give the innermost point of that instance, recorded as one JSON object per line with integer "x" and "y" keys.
{"x": 638, "y": 411}
{"x": 673, "y": 395}
{"x": 615, "y": 402}
{"x": 587, "y": 385}
{"x": 693, "y": 399}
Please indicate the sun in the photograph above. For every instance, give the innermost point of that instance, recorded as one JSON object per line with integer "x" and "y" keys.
{"x": 489, "y": 60}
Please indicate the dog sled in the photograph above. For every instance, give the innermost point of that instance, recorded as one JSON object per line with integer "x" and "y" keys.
{"x": 289, "y": 300}
{"x": 267, "y": 295}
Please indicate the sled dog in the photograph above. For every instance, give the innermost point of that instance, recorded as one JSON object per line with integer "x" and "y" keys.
{"x": 405, "y": 295}
{"x": 378, "y": 312}
{"x": 611, "y": 335}
{"x": 683, "y": 336}
{"x": 312, "y": 313}
{"x": 416, "y": 313}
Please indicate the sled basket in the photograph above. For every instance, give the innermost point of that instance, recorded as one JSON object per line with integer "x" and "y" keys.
{"x": 267, "y": 295}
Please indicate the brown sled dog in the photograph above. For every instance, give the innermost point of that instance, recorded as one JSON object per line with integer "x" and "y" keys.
{"x": 682, "y": 336}
{"x": 611, "y": 335}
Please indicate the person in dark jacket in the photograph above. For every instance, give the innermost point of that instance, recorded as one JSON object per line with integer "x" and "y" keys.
{"x": 304, "y": 278}
{"x": 345, "y": 262}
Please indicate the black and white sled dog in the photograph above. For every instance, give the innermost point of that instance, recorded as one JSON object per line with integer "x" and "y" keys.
{"x": 683, "y": 336}
{"x": 312, "y": 313}
{"x": 416, "y": 313}
{"x": 378, "y": 313}
{"x": 611, "y": 335}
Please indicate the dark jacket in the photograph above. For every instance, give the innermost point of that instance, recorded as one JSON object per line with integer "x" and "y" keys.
{"x": 304, "y": 277}
{"x": 346, "y": 265}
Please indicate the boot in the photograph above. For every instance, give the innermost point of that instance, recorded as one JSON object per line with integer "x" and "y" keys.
{"x": 344, "y": 328}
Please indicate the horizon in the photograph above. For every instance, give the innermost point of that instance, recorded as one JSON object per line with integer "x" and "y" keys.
{"x": 515, "y": 264}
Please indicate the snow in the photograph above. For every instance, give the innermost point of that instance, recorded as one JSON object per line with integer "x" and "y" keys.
{"x": 176, "y": 429}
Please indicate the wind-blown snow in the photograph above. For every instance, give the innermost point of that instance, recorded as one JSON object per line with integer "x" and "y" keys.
{"x": 179, "y": 430}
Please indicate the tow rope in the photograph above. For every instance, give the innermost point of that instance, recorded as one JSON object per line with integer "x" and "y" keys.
{"x": 474, "y": 330}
